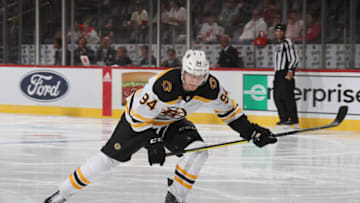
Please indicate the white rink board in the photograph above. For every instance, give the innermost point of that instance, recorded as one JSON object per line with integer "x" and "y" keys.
{"x": 84, "y": 87}
{"x": 317, "y": 99}
{"x": 319, "y": 92}
{"x": 326, "y": 91}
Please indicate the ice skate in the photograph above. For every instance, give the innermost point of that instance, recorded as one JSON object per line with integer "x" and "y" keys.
{"x": 55, "y": 198}
{"x": 170, "y": 198}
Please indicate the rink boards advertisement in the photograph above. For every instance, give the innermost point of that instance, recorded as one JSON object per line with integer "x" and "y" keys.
{"x": 51, "y": 90}
{"x": 314, "y": 93}
{"x": 318, "y": 94}
{"x": 102, "y": 91}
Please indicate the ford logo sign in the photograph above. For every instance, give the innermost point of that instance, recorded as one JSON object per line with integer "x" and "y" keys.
{"x": 44, "y": 85}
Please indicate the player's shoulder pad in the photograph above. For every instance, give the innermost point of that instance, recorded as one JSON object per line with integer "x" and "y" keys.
{"x": 167, "y": 85}
{"x": 210, "y": 89}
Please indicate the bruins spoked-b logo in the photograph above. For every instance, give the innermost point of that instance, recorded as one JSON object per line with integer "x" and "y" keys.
{"x": 213, "y": 83}
{"x": 166, "y": 85}
{"x": 173, "y": 112}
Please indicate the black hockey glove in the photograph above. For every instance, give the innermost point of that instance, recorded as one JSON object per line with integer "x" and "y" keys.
{"x": 262, "y": 136}
{"x": 156, "y": 151}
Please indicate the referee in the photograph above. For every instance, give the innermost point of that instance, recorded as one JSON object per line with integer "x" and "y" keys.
{"x": 285, "y": 62}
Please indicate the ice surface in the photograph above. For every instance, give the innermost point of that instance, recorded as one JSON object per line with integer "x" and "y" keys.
{"x": 38, "y": 152}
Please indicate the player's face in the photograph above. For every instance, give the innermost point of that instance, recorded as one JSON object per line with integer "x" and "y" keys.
{"x": 192, "y": 82}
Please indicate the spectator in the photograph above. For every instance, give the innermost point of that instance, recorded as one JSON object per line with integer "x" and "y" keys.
{"x": 295, "y": 4}
{"x": 145, "y": 56}
{"x": 210, "y": 31}
{"x": 357, "y": 35}
{"x": 228, "y": 55}
{"x": 164, "y": 10}
{"x": 337, "y": 32}
{"x": 177, "y": 13}
{"x": 200, "y": 9}
{"x": 122, "y": 59}
{"x": 164, "y": 18}
{"x": 121, "y": 15}
{"x": 271, "y": 36}
{"x": 312, "y": 30}
{"x": 88, "y": 32}
{"x": 108, "y": 29}
{"x": 121, "y": 8}
{"x": 58, "y": 53}
{"x": 227, "y": 15}
{"x": 252, "y": 28}
{"x": 208, "y": 6}
{"x": 244, "y": 13}
{"x": 105, "y": 55}
{"x": 138, "y": 23}
{"x": 83, "y": 50}
{"x": 294, "y": 26}
{"x": 261, "y": 5}
{"x": 13, "y": 41}
{"x": 268, "y": 10}
{"x": 176, "y": 20}
{"x": 171, "y": 61}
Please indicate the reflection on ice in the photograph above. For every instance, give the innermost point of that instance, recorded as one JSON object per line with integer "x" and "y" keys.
{"x": 38, "y": 153}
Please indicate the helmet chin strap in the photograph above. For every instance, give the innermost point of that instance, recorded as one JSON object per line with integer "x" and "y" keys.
{"x": 182, "y": 76}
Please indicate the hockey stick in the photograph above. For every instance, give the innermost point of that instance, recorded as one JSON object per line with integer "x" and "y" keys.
{"x": 339, "y": 118}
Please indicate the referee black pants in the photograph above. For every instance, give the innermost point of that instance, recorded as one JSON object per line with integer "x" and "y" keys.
{"x": 284, "y": 97}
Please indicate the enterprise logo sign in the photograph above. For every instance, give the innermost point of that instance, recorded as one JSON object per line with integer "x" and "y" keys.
{"x": 255, "y": 92}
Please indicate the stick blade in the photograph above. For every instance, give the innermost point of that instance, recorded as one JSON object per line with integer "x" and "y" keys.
{"x": 341, "y": 114}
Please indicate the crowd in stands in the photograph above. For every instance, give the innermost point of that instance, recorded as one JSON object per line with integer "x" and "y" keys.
{"x": 245, "y": 22}
{"x": 242, "y": 20}
{"x": 216, "y": 22}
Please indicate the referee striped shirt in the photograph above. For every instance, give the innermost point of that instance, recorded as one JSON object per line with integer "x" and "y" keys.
{"x": 285, "y": 57}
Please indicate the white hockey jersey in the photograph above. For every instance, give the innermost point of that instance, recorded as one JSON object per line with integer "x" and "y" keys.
{"x": 163, "y": 101}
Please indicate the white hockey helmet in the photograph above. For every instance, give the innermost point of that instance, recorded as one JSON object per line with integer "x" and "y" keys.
{"x": 195, "y": 63}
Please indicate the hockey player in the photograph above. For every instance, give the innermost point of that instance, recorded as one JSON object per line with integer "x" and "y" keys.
{"x": 155, "y": 118}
